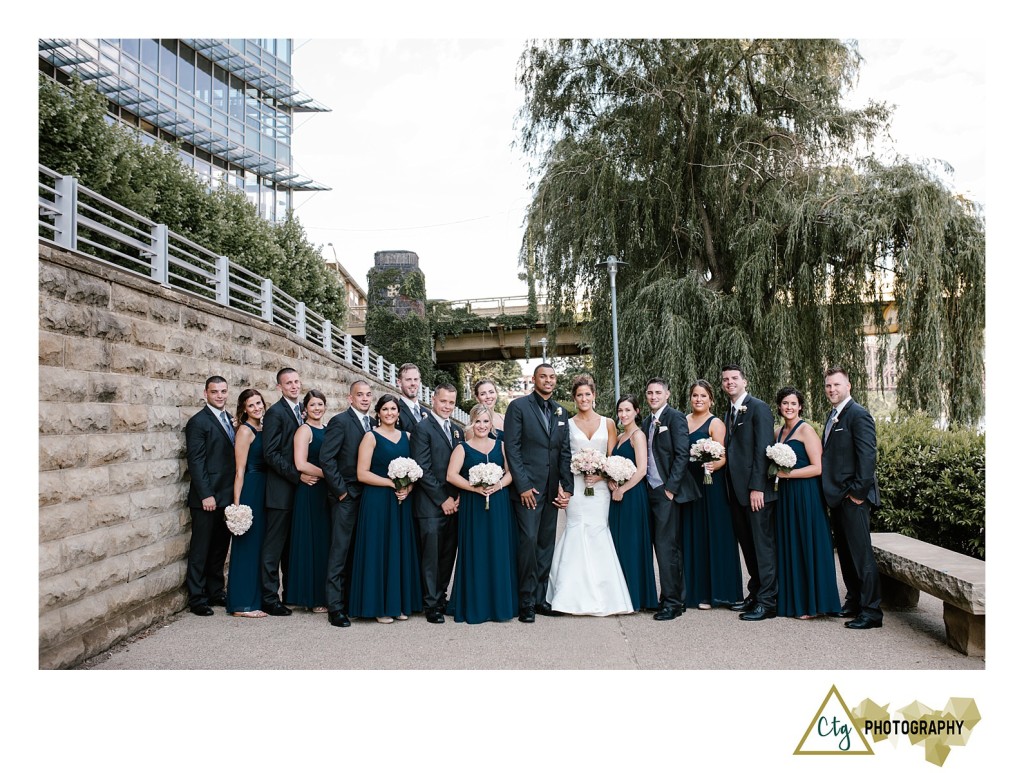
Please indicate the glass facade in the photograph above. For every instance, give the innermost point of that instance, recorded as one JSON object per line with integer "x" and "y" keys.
{"x": 231, "y": 104}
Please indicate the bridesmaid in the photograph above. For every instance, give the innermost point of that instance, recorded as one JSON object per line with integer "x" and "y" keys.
{"x": 486, "y": 575}
{"x": 244, "y": 595}
{"x": 629, "y": 515}
{"x": 806, "y": 566}
{"x": 385, "y": 563}
{"x": 711, "y": 560}
{"x": 486, "y": 393}
{"x": 305, "y": 583}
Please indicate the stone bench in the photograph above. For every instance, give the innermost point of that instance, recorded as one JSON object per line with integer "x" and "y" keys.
{"x": 908, "y": 566}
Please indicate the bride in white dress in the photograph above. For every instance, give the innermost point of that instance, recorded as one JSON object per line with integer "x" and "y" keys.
{"x": 586, "y": 578}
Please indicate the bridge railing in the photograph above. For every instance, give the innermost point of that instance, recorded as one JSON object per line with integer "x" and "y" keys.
{"x": 78, "y": 219}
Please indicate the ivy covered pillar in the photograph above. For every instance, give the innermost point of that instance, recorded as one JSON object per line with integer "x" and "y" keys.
{"x": 396, "y": 315}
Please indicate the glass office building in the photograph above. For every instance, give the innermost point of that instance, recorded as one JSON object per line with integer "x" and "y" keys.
{"x": 230, "y": 103}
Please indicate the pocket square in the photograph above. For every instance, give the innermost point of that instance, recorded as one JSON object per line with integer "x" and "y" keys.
{"x": 561, "y": 424}
{"x": 662, "y": 429}
{"x": 837, "y": 429}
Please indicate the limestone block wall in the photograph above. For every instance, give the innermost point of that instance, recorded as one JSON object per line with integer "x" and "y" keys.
{"x": 122, "y": 363}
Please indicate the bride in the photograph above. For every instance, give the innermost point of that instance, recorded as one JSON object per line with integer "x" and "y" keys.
{"x": 586, "y": 578}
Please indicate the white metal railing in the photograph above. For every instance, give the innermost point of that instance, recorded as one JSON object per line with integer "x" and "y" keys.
{"x": 76, "y": 218}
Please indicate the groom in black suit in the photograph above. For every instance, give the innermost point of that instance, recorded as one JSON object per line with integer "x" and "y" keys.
{"x": 851, "y": 489}
{"x": 669, "y": 485}
{"x": 435, "y": 501}
{"x": 748, "y": 433}
{"x": 537, "y": 450}
{"x": 210, "y": 452}
{"x": 338, "y": 456}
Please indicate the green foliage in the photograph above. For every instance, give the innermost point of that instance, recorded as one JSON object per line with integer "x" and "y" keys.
{"x": 932, "y": 484}
{"x": 723, "y": 173}
{"x": 75, "y": 139}
{"x": 393, "y": 326}
{"x": 448, "y": 320}
{"x": 504, "y": 373}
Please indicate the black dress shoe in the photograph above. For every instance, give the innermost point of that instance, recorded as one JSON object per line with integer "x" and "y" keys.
{"x": 434, "y": 615}
{"x": 339, "y": 619}
{"x": 219, "y": 601}
{"x": 863, "y": 623}
{"x": 203, "y": 610}
{"x": 544, "y": 608}
{"x": 847, "y": 612}
{"x": 669, "y": 612}
{"x": 759, "y": 612}
{"x": 527, "y": 614}
{"x": 276, "y": 609}
{"x": 744, "y": 606}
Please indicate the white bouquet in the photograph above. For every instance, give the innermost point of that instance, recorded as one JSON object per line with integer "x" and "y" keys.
{"x": 484, "y": 475}
{"x": 706, "y": 450}
{"x": 404, "y": 471}
{"x": 586, "y": 461}
{"x": 618, "y": 469}
{"x": 238, "y": 519}
{"x": 782, "y": 457}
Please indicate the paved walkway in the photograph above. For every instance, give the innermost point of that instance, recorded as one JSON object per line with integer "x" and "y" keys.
{"x": 713, "y": 639}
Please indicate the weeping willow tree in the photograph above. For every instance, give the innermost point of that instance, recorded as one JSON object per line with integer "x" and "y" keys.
{"x": 755, "y": 227}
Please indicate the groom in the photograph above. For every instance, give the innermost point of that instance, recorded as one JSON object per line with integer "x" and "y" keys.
{"x": 537, "y": 449}
{"x": 669, "y": 485}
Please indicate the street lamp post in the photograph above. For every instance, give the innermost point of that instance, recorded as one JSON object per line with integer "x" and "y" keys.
{"x": 544, "y": 349}
{"x": 613, "y": 264}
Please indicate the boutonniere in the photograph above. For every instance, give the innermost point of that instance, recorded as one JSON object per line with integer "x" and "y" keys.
{"x": 655, "y": 421}
{"x": 558, "y": 411}
{"x": 456, "y": 434}
{"x": 741, "y": 409}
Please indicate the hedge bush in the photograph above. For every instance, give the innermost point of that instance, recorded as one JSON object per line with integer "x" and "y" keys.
{"x": 932, "y": 483}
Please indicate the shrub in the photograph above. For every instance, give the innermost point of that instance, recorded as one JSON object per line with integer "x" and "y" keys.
{"x": 932, "y": 483}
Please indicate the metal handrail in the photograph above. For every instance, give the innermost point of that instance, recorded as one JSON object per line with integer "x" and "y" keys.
{"x": 75, "y": 218}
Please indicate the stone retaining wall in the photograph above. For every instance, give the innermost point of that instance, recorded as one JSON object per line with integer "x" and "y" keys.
{"x": 122, "y": 363}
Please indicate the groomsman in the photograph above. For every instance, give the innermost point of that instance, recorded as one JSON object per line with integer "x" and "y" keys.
{"x": 669, "y": 485}
{"x": 279, "y": 425}
{"x": 435, "y": 501}
{"x": 851, "y": 488}
{"x": 338, "y": 456}
{"x": 410, "y": 412}
{"x": 748, "y": 433}
{"x": 210, "y": 451}
{"x": 537, "y": 450}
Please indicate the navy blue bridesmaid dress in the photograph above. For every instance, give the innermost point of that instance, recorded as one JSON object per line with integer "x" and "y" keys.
{"x": 486, "y": 574}
{"x": 305, "y": 583}
{"x": 385, "y": 561}
{"x": 629, "y": 522}
{"x": 806, "y": 566}
{"x": 711, "y": 559}
{"x": 244, "y": 588}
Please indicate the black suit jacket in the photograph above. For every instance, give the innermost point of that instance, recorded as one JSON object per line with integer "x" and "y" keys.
{"x": 848, "y": 458}
{"x": 671, "y": 446}
{"x": 432, "y": 451}
{"x": 339, "y": 453}
{"x": 537, "y": 458}
{"x": 211, "y": 460}
{"x": 279, "y": 425}
{"x": 746, "y": 460}
{"x": 406, "y": 421}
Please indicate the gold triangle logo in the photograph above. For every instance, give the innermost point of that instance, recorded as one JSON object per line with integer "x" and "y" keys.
{"x": 833, "y": 730}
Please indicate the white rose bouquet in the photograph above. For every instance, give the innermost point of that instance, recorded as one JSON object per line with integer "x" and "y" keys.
{"x": 238, "y": 519}
{"x": 782, "y": 458}
{"x": 404, "y": 471}
{"x": 586, "y": 461}
{"x": 618, "y": 469}
{"x": 704, "y": 451}
{"x": 484, "y": 475}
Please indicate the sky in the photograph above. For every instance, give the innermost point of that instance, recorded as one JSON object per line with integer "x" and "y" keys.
{"x": 420, "y": 152}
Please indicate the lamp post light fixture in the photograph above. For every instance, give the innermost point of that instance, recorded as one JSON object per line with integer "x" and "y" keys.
{"x": 613, "y": 264}
{"x": 544, "y": 349}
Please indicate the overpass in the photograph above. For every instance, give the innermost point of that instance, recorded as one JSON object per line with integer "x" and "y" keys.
{"x": 492, "y": 329}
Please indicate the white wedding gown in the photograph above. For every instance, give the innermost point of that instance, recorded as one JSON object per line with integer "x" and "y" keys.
{"x": 586, "y": 578}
